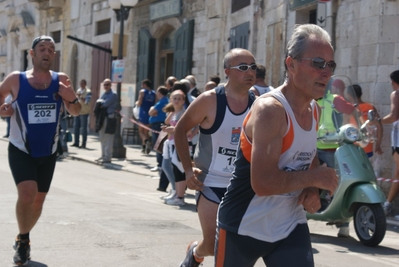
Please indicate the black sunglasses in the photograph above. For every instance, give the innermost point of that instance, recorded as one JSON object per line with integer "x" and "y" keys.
{"x": 319, "y": 63}
{"x": 244, "y": 67}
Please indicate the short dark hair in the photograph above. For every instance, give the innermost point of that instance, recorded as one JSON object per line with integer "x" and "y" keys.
{"x": 260, "y": 71}
{"x": 163, "y": 90}
{"x": 42, "y": 38}
{"x": 358, "y": 90}
{"x": 215, "y": 79}
{"x": 179, "y": 86}
{"x": 395, "y": 76}
{"x": 146, "y": 82}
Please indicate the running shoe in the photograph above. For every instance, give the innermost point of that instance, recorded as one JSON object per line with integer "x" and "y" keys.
{"x": 15, "y": 245}
{"x": 175, "y": 201}
{"x": 190, "y": 260}
{"x": 22, "y": 253}
{"x": 171, "y": 194}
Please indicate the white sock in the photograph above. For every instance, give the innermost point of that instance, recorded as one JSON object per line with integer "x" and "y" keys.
{"x": 195, "y": 253}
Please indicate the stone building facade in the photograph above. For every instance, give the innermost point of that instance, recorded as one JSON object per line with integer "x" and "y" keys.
{"x": 179, "y": 37}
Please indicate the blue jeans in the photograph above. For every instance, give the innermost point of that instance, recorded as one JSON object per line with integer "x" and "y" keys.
{"x": 80, "y": 122}
{"x": 326, "y": 156}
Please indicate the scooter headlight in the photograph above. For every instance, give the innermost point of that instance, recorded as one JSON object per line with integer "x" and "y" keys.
{"x": 350, "y": 133}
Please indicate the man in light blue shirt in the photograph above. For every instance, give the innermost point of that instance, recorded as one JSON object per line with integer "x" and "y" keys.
{"x": 109, "y": 101}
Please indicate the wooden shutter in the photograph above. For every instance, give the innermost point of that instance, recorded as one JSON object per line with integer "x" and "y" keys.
{"x": 182, "y": 60}
{"x": 239, "y": 36}
{"x": 145, "y": 58}
{"x": 100, "y": 70}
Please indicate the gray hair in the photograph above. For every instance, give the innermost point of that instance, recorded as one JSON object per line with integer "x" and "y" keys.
{"x": 191, "y": 79}
{"x": 298, "y": 43}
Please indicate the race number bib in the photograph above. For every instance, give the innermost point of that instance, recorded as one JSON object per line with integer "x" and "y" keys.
{"x": 224, "y": 159}
{"x": 42, "y": 113}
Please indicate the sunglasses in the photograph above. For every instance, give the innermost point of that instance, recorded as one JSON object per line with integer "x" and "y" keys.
{"x": 319, "y": 63}
{"x": 107, "y": 84}
{"x": 244, "y": 67}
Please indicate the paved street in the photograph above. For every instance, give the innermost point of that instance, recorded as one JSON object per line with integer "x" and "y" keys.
{"x": 112, "y": 216}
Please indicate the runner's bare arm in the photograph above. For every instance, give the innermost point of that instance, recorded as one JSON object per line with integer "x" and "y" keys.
{"x": 68, "y": 95}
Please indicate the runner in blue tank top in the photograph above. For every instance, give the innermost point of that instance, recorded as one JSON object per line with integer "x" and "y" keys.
{"x": 38, "y": 97}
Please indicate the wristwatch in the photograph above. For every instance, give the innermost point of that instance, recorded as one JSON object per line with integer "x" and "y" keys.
{"x": 379, "y": 120}
{"x": 74, "y": 102}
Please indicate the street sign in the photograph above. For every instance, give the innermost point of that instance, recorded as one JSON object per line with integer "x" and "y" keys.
{"x": 118, "y": 68}
{"x": 321, "y": 14}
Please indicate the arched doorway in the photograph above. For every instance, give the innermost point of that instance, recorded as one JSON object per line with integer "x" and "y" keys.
{"x": 166, "y": 54}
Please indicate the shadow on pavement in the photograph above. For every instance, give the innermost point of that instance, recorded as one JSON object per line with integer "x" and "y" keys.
{"x": 352, "y": 245}
{"x": 35, "y": 264}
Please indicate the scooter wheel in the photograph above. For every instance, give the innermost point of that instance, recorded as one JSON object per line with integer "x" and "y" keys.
{"x": 370, "y": 224}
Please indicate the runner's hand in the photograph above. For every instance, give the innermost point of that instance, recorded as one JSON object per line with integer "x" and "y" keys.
{"x": 192, "y": 180}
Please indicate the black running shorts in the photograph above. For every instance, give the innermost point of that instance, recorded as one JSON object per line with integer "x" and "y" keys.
{"x": 26, "y": 168}
{"x": 233, "y": 250}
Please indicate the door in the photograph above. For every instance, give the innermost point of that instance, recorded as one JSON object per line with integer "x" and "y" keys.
{"x": 182, "y": 61}
{"x": 100, "y": 70}
{"x": 145, "y": 58}
{"x": 239, "y": 36}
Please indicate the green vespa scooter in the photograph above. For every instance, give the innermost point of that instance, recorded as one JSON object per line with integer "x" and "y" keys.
{"x": 358, "y": 196}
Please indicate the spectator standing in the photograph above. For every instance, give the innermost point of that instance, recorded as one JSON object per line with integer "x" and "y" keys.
{"x": 106, "y": 121}
{"x": 193, "y": 86}
{"x": 263, "y": 213}
{"x": 215, "y": 79}
{"x": 38, "y": 95}
{"x": 177, "y": 99}
{"x": 189, "y": 98}
{"x": 157, "y": 118}
{"x": 210, "y": 85}
{"x": 364, "y": 108}
{"x": 219, "y": 114}
{"x": 80, "y": 122}
{"x": 145, "y": 102}
{"x": 260, "y": 86}
{"x": 393, "y": 117}
{"x": 169, "y": 83}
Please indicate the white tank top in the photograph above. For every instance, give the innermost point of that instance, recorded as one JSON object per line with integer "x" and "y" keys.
{"x": 269, "y": 218}
{"x": 395, "y": 134}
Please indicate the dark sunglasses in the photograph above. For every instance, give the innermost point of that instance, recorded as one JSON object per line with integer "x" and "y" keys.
{"x": 107, "y": 84}
{"x": 319, "y": 63}
{"x": 244, "y": 67}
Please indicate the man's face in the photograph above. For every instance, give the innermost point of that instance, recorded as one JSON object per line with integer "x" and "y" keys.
{"x": 310, "y": 80}
{"x": 82, "y": 85}
{"x": 107, "y": 85}
{"x": 43, "y": 54}
{"x": 245, "y": 79}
